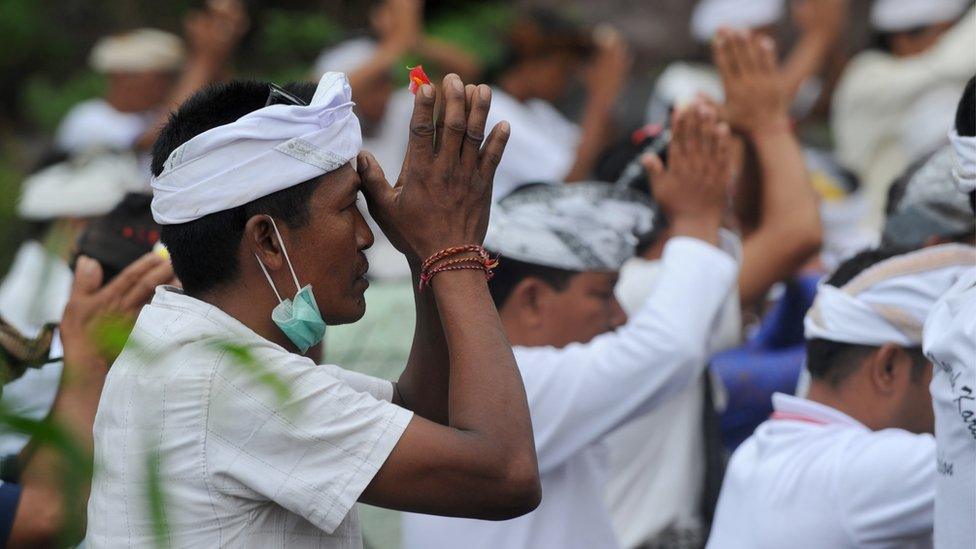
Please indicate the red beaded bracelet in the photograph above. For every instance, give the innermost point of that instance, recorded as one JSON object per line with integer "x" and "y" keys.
{"x": 440, "y": 262}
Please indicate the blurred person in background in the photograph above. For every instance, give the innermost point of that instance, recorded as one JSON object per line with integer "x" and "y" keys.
{"x": 949, "y": 341}
{"x": 893, "y": 102}
{"x": 545, "y": 52}
{"x": 819, "y": 22}
{"x": 148, "y": 73}
{"x": 852, "y": 464}
{"x": 60, "y": 202}
{"x": 43, "y": 505}
{"x": 587, "y": 368}
{"x": 651, "y": 509}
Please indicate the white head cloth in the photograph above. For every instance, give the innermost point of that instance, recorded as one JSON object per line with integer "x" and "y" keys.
{"x": 85, "y": 186}
{"x": 888, "y": 302}
{"x": 577, "y": 227}
{"x": 901, "y": 15}
{"x": 138, "y": 50}
{"x": 963, "y": 161}
{"x": 264, "y": 151}
{"x": 711, "y": 15}
{"x": 346, "y": 57}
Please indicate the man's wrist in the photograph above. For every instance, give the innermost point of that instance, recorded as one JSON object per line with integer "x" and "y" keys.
{"x": 703, "y": 227}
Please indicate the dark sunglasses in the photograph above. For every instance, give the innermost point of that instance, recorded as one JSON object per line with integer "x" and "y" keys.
{"x": 278, "y": 96}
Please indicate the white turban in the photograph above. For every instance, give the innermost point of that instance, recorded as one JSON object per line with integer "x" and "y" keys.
{"x": 85, "y": 186}
{"x": 901, "y": 15}
{"x": 139, "y": 50}
{"x": 963, "y": 161}
{"x": 573, "y": 226}
{"x": 265, "y": 151}
{"x": 888, "y": 302}
{"x": 347, "y": 57}
{"x": 711, "y": 15}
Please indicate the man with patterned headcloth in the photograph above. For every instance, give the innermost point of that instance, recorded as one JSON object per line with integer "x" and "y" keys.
{"x": 853, "y": 463}
{"x": 215, "y": 396}
{"x": 588, "y": 369}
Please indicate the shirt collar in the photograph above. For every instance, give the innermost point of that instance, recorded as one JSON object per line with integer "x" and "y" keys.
{"x": 813, "y": 411}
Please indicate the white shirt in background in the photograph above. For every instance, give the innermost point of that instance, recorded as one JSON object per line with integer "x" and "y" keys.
{"x": 819, "y": 479}
{"x": 34, "y": 292}
{"x": 580, "y": 393}
{"x": 542, "y": 147}
{"x": 950, "y": 342}
{"x": 241, "y": 464}
{"x": 94, "y": 124}
{"x": 657, "y": 461}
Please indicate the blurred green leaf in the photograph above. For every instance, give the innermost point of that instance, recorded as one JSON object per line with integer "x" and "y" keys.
{"x": 156, "y": 499}
{"x": 46, "y": 101}
{"x": 243, "y": 357}
{"x": 288, "y": 37}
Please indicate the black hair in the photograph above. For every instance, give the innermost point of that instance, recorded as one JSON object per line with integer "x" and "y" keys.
{"x": 966, "y": 122}
{"x": 204, "y": 251}
{"x": 834, "y": 361}
{"x": 510, "y": 272}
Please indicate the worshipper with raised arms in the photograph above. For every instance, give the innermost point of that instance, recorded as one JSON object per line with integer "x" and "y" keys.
{"x": 257, "y": 445}
{"x": 949, "y": 341}
{"x": 852, "y": 464}
{"x": 587, "y": 369}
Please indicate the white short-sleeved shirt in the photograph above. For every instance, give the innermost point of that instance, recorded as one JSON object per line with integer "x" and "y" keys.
{"x": 94, "y": 124}
{"x": 817, "y": 478}
{"x": 243, "y": 462}
{"x": 579, "y": 393}
{"x": 950, "y": 342}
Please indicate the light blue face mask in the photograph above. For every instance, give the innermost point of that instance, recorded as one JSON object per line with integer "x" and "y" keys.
{"x": 299, "y": 319}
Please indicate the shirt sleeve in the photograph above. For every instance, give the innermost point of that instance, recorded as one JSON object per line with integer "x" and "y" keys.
{"x": 886, "y": 487}
{"x": 581, "y": 392}
{"x": 380, "y": 389}
{"x": 311, "y": 443}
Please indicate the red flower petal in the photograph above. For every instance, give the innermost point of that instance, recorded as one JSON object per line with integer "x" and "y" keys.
{"x": 417, "y": 78}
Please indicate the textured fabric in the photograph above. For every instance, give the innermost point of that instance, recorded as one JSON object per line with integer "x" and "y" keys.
{"x": 262, "y": 152}
{"x": 826, "y": 481}
{"x": 889, "y": 301}
{"x": 138, "y": 50}
{"x": 711, "y": 15}
{"x": 903, "y": 15}
{"x": 577, "y": 227}
{"x": 243, "y": 461}
{"x": 931, "y": 204}
{"x": 877, "y": 94}
{"x": 580, "y": 393}
{"x": 963, "y": 161}
{"x": 542, "y": 146}
{"x": 950, "y": 343}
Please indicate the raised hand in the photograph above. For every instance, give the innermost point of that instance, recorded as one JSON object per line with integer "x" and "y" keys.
{"x": 215, "y": 32}
{"x": 443, "y": 196}
{"x": 692, "y": 190}
{"x": 824, "y": 18}
{"x": 399, "y": 23}
{"x": 607, "y": 71}
{"x": 755, "y": 97}
{"x": 121, "y": 299}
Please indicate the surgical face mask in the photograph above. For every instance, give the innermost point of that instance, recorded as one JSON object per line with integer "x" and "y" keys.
{"x": 299, "y": 319}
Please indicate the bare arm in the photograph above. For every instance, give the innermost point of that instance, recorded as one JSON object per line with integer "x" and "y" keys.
{"x": 47, "y": 507}
{"x": 482, "y": 463}
{"x": 788, "y": 232}
{"x": 820, "y": 23}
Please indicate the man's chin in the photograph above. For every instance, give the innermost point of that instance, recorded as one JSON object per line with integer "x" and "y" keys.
{"x": 356, "y": 312}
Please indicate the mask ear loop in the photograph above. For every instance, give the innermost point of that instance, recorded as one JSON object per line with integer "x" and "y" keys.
{"x": 287, "y": 260}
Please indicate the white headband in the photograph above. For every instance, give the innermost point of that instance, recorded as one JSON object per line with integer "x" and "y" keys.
{"x": 265, "y": 151}
{"x": 138, "y": 50}
{"x": 963, "y": 161}
{"x": 888, "y": 302}
{"x": 711, "y": 15}
{"x": 901, "y": 15}
{"x": 578, "y": 227}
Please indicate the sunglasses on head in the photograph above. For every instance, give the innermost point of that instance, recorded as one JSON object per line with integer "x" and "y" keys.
{"x": 278, "y": 96}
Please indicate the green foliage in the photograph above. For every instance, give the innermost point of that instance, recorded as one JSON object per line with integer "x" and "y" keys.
{"x": 156, "y": 499}
{"x": 290, "y": 38}
{"x": 478, "y": 28}
{"x": 242, "y": 357}
{"x": 10, "y": 178}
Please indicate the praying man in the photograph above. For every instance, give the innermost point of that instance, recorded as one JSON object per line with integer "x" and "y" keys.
{"x": 854, "y": 463}
{"x": 214, "y": 399}
{"x": 587, "y": 369}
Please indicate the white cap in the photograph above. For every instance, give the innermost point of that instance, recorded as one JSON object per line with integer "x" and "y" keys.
{"x": 346, "y": 57}
{"x": 901, "y": 15}
{"x": 138, "y": 50}
{"x": 711, "y": 15}
{"x": 85, "y": 186}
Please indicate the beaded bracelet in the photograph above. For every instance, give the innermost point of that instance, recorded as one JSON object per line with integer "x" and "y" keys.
{"x": 440, "y": 262}
{"x": 456, "y": 250}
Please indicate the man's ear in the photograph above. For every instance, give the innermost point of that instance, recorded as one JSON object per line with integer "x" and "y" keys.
{"x": 528, "y": 300}
{"x": 889, "y": 368}
{"x": 261, "y": 240}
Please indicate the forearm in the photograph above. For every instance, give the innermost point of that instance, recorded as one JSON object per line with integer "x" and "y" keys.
{"x": 450, "y": 58}
{"x": 807, "y": 59}
{"x": 198, "y": 73}
{"x": 381, "y": 62}
{"x": 789, "y": 230}
{"x": 423, "y": 387}
{"x": 594, "y": 129}
{"x": 486, "y": 396}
